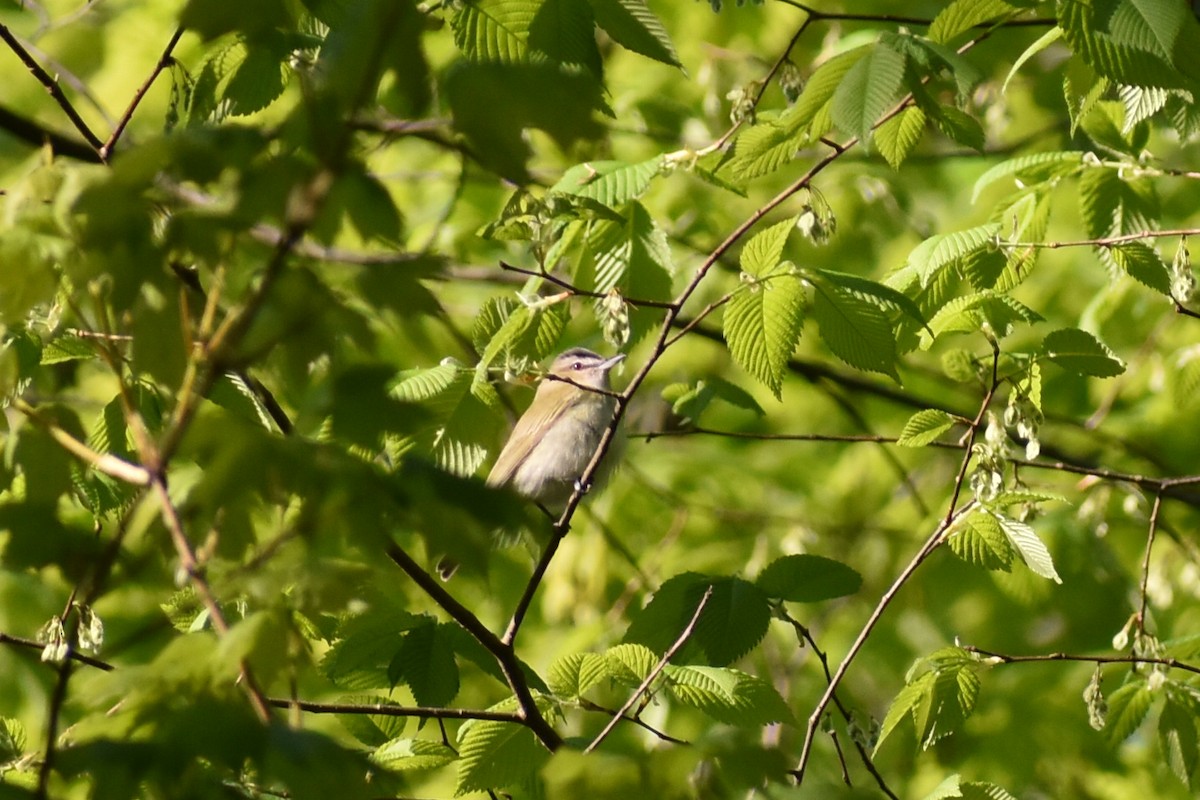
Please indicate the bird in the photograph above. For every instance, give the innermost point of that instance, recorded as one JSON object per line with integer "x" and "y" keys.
{"x": 555, "y": 439}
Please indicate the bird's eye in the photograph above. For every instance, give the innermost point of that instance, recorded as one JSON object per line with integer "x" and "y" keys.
{"x": 578, "y": 365}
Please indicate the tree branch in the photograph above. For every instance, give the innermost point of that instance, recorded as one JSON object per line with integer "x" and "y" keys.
{"x": 164, "y": 61}
{"x": 1003, "y": 658}
{"x": 52, "y": 87}
{"x": 654, "y": 673}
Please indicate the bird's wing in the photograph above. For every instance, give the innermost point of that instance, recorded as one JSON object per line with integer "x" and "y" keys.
{"x": 521, "y": 443}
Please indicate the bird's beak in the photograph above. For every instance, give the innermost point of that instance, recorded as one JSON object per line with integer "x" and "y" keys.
{"x": 609, "y": 363}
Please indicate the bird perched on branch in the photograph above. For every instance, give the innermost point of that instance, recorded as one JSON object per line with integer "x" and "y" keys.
{"x": 554, "y": 440}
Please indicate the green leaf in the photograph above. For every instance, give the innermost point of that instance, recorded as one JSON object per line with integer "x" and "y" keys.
{"x": 925, "y": 427}
{"x": 425, "y": 663}
{"x": 869, "y": 89}
{"x": 1127, "y": 708}
{"x": 497, "y": 754}
{"x": 12, "y": 739}
{"x": 371, "y": 729}
{"x": 856, "y": 331}
{"x": 769, "y": 145}
{"x": 635, "y": 27}
{"x": 612, "y": 183}
{"x": 1045, "y": 40}
{"x": 1082, "y": 353}
{"x": 960, "y": 126}
{"x": 968, "y": 313}
{"x": 1177, "y": 735}
{"x": 978, "y": 539}
{"x": 404, "y": 755}
{"x": 962, "y": 15}
{"x": 1145, "y": 44}
{"x": 728, "y": 696}
{"x": 938, "y": 251}
{"x": 762, "y": 254}
{"x": 690, "y": 400}
{"x": 572, "y": 675}
{"x": 1032, "y": 549}
{"x": 1144, "y": 265}
{"x": 762, "y": 325}
{"x": 734, "y": 620}
{"x": 805, "y": 578}
{"x": 563, "y": 30}
{"x": 630, "y": 663}
{"x": 1027, "y": 170}
{"x": 67, "y": 348}
{"x": 896, "y": 137}
{"x": 494, "y": 30}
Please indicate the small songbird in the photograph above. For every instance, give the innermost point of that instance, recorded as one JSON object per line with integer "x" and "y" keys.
{"x": 556, "y": 437}
{"x": 558, "y": 434}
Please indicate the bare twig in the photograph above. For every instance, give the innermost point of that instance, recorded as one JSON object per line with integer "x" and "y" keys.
{"x": 654, "y": 673}
{"x": 1154, "y": 512}
{"x": 52, "y": 87}
{"x": 1004, "y": 658}
{"x": 386, "y": 710}
{"x": 1104, "y": 241}
{"x": 73, "y": 654}
{"x": 163, "y": 62}
{"x": 927, "y": 549}
{"x": 107, "y": 463}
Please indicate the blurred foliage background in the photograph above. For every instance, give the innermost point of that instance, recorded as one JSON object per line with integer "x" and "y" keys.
{"x": 270, "y": 304}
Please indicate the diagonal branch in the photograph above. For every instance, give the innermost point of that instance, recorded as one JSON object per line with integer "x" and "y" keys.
{"x": 52, "y": 87}
{"x": 164, "y": 61}
{"x": 931, "y": 544}
{"x": 654, "y": 673}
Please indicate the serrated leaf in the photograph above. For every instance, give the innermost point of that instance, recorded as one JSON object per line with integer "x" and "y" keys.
{"x": 494, "y": 30}
{"x": 856, "y": 331}
{"x": 902, "y": 707}
{"x": 689, "y": 401}
{"x": 728, "y": 696}
{"x": 1082, "y": 353}
{"x": 1030, "y": 169}
{"x": 806, "y": 578}
{"x": 404, "y": 755}
{"x": 966, "y": 314}
{"x": 497, "y": 754}
{"x": 767, "y": 146}
{"x": 762, "y": 326}
{"x": 981, "y": 790}
{"x": 978, "y": 539}
{"x": 962, "y": 15}
{"x": 925, "y": 427}
{"x": 635, "y": 27}
{"x": 938, "y": 251}
{"x": 371, "y": 729}
{"x": 12, "y": 740}
{"x": 763, "y": 252}
{"x": 896, "y": 137}
{"x": 630, "y": 662}
{"x": 1177, "y": 737}
{"x": 734, "y": 619}
{"x": 870, "y": 87}
{"x": 572, "y": 675}
{"x": 425, "y": 663}
{"x": 1144, "y": 265}
{"x": 1032, "y": 549}
{"x": 1127, "y": 708}
{"x": 564, "y": 31}
{"x": 1121, "y": 53}
{"x": 67, "y": 348}
{"x": 612, "y": 183}
{"x": 961, "y": 127}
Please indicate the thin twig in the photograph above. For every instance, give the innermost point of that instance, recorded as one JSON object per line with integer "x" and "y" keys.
{"x": 927, "y": 549}
{"x": 863, "y": 753}
{"x": 73, "y": 654}
{"x": 52, "y": 87}
{"x": 107, "y": 463}
{"x": 1104, "y": 241}
{"x": 654, "y": 673}
{"x": 163, "y": 62}
{"x": 386, "y": 710}
{"x": 1141, "y": 614}
{"x": 1004, "y": 658}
